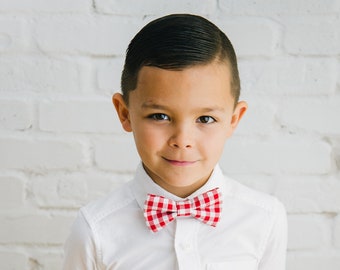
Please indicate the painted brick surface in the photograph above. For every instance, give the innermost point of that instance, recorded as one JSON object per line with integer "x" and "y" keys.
{"x": 32, "y": 154}
{"x": 29, "y": 74}
{"x": 90, "y": 115}
{"x": 61, "y": 144}
{"x": 16, "y": 115}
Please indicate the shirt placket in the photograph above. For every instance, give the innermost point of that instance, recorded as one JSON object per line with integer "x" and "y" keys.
{"x": 186, "y": 243}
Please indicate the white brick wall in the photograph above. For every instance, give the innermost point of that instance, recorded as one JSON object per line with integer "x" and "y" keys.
{"x": 61, "y": 144}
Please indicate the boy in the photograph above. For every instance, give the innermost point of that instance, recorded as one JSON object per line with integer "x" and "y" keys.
{"x": 180, "y": 96}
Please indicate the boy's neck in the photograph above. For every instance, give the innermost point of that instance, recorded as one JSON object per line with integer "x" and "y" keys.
{"x": 179, "y": 191}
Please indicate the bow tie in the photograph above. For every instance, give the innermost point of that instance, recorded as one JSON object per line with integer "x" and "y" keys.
{"x": 159, "y": 211}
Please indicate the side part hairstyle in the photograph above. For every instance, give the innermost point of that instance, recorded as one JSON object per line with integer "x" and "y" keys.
{"x": 176, "y": 42}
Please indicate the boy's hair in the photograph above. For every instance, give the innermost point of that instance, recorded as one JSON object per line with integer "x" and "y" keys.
{"x": 175, "y": 42}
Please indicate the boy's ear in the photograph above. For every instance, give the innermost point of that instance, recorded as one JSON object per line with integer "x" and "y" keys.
{"x": 122, "y": 111}
{"x": 238, "y": 113}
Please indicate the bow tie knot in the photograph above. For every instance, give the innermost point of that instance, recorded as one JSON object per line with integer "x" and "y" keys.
{"x": 159, "y": 211}
{"x": 184, "y": 208}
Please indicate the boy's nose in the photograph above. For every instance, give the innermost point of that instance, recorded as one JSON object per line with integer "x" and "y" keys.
{"x": 182, "y": 137}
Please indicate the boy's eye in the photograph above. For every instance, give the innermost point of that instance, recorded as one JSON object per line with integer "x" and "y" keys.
{"x": 206, "y": 119}
{"x": 159, "y": 117}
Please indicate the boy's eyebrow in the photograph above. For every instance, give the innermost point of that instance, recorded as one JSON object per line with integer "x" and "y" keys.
{"x": 151, "y": 105}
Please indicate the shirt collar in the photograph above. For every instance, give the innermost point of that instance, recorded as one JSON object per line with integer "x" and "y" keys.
{"x": 143, "y": 185}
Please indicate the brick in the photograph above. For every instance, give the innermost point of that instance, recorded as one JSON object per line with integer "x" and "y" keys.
{"x": 260, "y": 117}
{"x": 12, "y": 261}
{"x": 308, "y": 231}
{"x": 261, "y": 34}
{"x": 46, "y": 6}
{"x": 147, "y": 7}
{"x": 72, "y": 190}
{"x": 38, "y": 74}
{"x": 289, "y": 76}
{"x": 100, "y": 186}
{"x": 40, "y": 154}
{"x": 86, "y": 79}
{"x": 12, "y": 190}
{"x": 47, "y": 261}
{"x": 108, "y": 75}
{"x": 32, "y": 228}
{"x": 312, "y": 35}
{"x": 116, "y": 154}
{"x": 94, "y": 35}
{"x": 260, "y": 182}
{"x": 47, "y": 191}
{"x": 15, "y": 114}
{"x": 309, "y": 194}
{"x": 314, "y": 261}
{"x": 336, "y": 152}
{"x": 83, "y": 115}
{"x": 277, "y": 7}
{"x": 12, "y": 35}
{"x": 337, "y": 231}
{"x": 288, "y": 154}
{"x": 311, "y": 114}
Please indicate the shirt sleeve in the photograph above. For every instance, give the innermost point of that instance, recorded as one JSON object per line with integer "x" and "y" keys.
{"x": 274, "y": 255}
{"x": 79, "y": 249}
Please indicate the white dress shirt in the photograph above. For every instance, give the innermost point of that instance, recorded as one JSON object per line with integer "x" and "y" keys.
{"x": 111, "y": 233}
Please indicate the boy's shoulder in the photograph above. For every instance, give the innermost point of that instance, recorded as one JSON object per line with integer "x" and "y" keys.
{"x": 109, "y": 204}
{"x": 123, "y": 198}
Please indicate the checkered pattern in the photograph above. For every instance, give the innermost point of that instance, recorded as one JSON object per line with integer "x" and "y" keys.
{"x": 159, "y": 211}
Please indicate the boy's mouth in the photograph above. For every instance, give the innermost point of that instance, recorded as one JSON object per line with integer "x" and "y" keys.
{"x": 181, "y": 163}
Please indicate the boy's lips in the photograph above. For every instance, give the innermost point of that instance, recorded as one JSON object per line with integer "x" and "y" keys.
{"x": 180, "y": 162}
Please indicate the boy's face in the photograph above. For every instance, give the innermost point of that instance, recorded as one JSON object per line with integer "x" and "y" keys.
{"x": 180, "y": 121}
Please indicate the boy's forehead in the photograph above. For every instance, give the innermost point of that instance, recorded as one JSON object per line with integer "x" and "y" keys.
{"x": 208, "y": 84}
{"x": 147, "y": 74}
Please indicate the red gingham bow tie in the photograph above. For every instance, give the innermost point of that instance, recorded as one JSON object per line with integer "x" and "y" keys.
{"x": 159, "y": 211}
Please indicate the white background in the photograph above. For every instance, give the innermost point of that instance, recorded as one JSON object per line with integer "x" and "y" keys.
{"x": 62, "y": 146}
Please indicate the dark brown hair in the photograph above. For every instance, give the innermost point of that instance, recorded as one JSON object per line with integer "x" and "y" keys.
{"x": 175, "y": 42}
